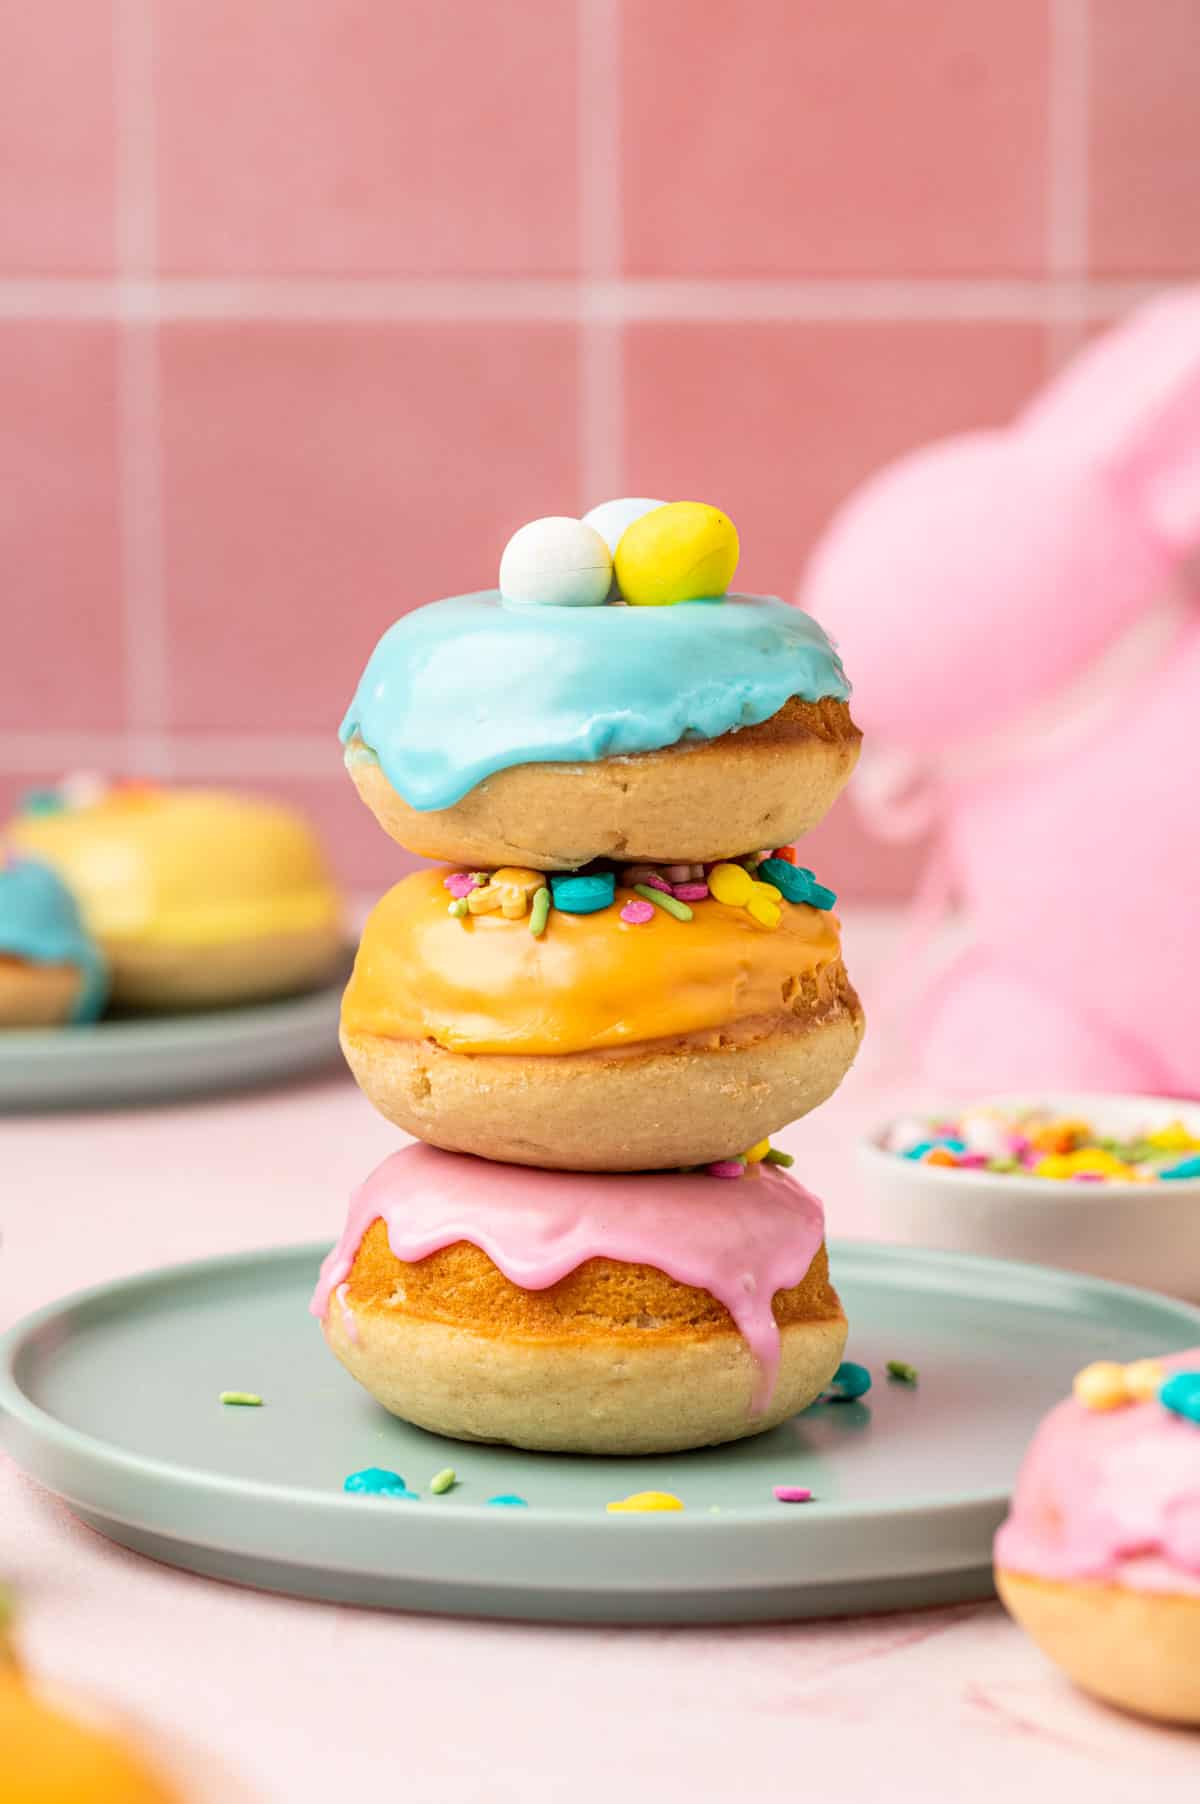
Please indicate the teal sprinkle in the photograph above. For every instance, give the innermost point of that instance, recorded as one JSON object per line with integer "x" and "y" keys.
{"x": 585, "y": 895}
{"x": 508, "y": 1500}
{"x": 41, "y": 801}
{"x": 795, "y": 883}
{"x": 539, "y": 912}
{"x": 850, "y": 1381}
{"x": 1180, "y": 1393}
{"x": 776, "y": 1156}
{"x": 377, "y": 1481}
{"x": 1186, "y": 1168}
{"x": 669, "y": 904}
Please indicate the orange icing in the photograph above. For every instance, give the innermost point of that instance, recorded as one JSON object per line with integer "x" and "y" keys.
{"x": 52, "y": 1758}
{"x": 486, "y": 984}
{"x": 185, "y": 867}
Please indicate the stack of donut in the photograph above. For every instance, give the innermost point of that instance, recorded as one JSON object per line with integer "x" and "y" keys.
{"x": 618, "y": 982}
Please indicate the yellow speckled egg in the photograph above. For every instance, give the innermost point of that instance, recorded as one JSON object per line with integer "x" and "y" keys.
{"x": 681, "y": 552}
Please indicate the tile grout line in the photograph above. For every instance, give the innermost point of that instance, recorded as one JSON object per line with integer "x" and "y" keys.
{"x": 139, "y": 442}
{"x": 601, "y": 349}
{"x": 1067, "y": 176}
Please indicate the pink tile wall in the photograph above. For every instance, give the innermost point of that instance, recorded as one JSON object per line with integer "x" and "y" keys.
{"x": 304, "y": 305}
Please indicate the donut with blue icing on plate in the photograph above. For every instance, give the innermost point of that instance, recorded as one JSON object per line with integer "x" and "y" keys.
{"x": 488, "y": 733}
{"x": 51, "y": 970}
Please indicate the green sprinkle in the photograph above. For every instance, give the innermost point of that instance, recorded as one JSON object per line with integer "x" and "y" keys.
{"x": 775, "y": 1156}
{"x": 1004, "y": 1165}
{"x": 458, "y": 906}
{"x": 480, "y": 879}
{"x": 445, "y": 1480}
{"x": 250, "y": 1399}
{"x": 539, "y": 912}
{"x": 669, "y": 904}
{"x": 901, "y": 1371}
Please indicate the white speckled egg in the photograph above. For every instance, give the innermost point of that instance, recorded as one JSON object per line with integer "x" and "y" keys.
{"x": 556, "y": 563}
{"x": 612, "y": 517}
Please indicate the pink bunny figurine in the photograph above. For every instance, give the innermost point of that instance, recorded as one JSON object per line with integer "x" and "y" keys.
{"x": 1013, "y": 608}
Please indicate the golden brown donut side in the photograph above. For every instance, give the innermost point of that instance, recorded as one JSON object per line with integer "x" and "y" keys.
{"x": 1137, "y": 1649}
{"x": 151, "y": 976}
{"x": 696, "y": 801}
{"x": 653, "y": 1105}
{"x": 37, "y": 995}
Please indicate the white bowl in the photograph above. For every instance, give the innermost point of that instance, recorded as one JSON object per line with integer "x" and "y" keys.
{"x": 1147, "y": 1234}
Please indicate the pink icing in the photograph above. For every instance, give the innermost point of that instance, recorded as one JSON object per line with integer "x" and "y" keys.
{"x": 740, "y": 1243}
{"x": 1110, "y": 1495}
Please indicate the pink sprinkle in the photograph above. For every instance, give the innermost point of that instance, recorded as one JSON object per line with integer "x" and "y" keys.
{"x": 793, "y": 1494}
{"x": 459, "y": 883}
{"x": 638, "y": 913}
{"x": 972, "y": 1161}
{"x": 1087, "y": 1177}
{"x": 726, "y": 1168}
{"x": 690, "y": 892}
{"x": 654, "y": 881}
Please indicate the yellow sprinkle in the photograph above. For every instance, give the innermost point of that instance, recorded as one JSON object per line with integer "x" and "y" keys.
{"x": 767, "y": 891}
{"x": 1060, "y": 1136}
{"x": 647, "y": 1501}
{"x": 1174, "y": 1138}
{"x": 763, "y": 910}
{"x": 731, "y": 884}
{"x": 757, "y": 1152}
{"x": 1101, "y": 1386}
{"x": 1144, "y": 1379}
{"x": 1087, "y": 1158}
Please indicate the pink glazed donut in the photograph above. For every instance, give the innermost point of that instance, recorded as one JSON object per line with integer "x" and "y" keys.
{"x": 1099, "y": 1560}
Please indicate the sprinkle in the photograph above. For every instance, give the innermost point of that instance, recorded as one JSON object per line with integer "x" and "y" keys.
{"x": 1180, "y": 1394}
{"x": 637, "y": 913}
{"x": 939, "y": 1155}
{"x": 443, "y": 1481}
{"x": 1101, "y": 1386}
{"x": 247, "y": 1399}
{"x": 642, "y": 873}
{"x": 1144, "y": 1379}
{"x": 1174, "y": 1138}
{"x": 458, "y": 907}
{"x": 901, "y": 1371}
{"x": 763, "y": 908}
{"x": 731, "y": 884}
{"x": 377, "y": 1481}
{"x": 585, "y": 895}
{"x": 850, "y": 1381}
{"x": 786, "y": 853}
{"x": 690, "y": 892}
{"x": 1186, "y": 1168}
{"x": 678, "y": 873}
{"x": 646, "y": 1501}
{"x": 792, "y": 1493}
{"x": 726, "y": 1168}
{"x": 776, "y": 1156}
{"x": 796, "y": 883}
{"x": 680, "y": 910}
{"x": 508, "y": 1500}
{"x": 539, "y": 913}
{"x": 460, "y": 883}
{"x": 758, "y": 1152}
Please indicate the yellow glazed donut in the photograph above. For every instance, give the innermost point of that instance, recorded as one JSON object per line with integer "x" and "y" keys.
{"x": 1099, "y": 1560}
{"x": 196, "y": 897}
{"x": 569, "y": 1313}
{"x": 621, "y": 1039}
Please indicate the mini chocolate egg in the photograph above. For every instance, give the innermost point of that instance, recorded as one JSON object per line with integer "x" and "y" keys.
{"x": 556, "y": 563}
{"x": 683, "y": 551}
{"x": 612, "y": 518}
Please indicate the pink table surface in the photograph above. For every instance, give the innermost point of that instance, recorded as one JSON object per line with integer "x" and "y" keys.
{"x": 312, "y": 1701}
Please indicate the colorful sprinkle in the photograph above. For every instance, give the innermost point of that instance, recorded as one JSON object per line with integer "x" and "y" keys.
{"x": 757, "y": 1153}
{"x": 901, "y": 1371}
{"x": 777, "y": 1156}
{"x": 1144, "y": 1379}
{"x": 1101, "y": 1386}
{"x": 460, "y": 883}
{"x": 638, "y": 914}
{"x": 690, "y": 892}
{"x": 1186, "y": 1168}
{"x": 792, "y": 1493}
{"x": 666, "y": 901}
{"x": 1181, "y": 1395}
{"x": 508, "y": 1500}
{"x": 731, "y": 884}
{"x": 443, "y": 1481}
{"x": 458, "y": 907}
{"x": 726, "y": 1168}
{"x": 377, "y": 1481}
{"x": 850, "y": 1382}
{"x": 539, "y": 912}
{"x": 586, "y": 895}
{"x": 1034, "y": 1142}
{"x": 645, "y": 1502}
{"x": 243, "y": 1399}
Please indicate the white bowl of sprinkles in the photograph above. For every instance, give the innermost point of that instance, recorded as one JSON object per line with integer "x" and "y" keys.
{"x": 1104, "y": 1184}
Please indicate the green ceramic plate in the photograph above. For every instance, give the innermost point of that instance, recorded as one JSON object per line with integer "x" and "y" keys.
{"x": 110, "y": 1399}
{"x": 145, "y": 1058}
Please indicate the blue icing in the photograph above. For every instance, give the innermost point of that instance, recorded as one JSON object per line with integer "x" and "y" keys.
{"x": 461, "y": 689}
{"x": 40, "y": 921}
